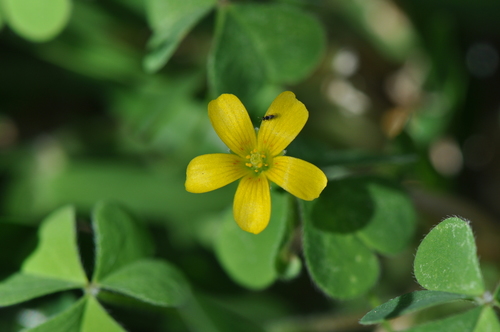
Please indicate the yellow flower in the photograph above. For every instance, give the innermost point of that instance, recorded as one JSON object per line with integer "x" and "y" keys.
{"x": 255, "y": 158}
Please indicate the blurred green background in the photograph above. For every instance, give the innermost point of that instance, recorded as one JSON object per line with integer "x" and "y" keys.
{"x": 108, "y": 100}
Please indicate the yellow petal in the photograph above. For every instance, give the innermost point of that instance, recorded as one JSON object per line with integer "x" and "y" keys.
{"x": 231, "y": 122}
{"x": 298, "y": 177}
{"x": 212, "y": 171}
{"x": 290, "y": 116}
{"x": 252, "y": 204}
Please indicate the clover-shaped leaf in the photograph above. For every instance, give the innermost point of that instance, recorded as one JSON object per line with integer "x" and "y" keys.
{"x": 340, "y": 264}
{"x": 54, "y": 265}
{"x": 96, "y": 318}
{"x": 57, "y": 253}
{"x": 120, "y": 240}
{"x": 446, "y": 263}
{"x": 377, "y": 210}
{"x": 122, "y": 266}
{"x": 351, "y": 219}
{"x": 446, "y": 259}
{"x": 149, "y": 280}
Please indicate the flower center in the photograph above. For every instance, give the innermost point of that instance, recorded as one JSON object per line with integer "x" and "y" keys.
{"x": 257, "y": 161}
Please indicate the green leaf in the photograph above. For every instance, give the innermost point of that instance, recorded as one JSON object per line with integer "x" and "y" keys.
{"x": 446, "y": 259}
{"x": 57, "y": 253}
{"x": 392, "y": 225}
{"x": 469, "y": 321}
{"x": 97, "y": 319}
{"x": 488, "y": 322}
{"x": 170, "y": 21}
{"x": 153, "y": 281}
{"x": 340, "y": 264}
{"x": 409, "y": 303}
{"x": 67, "y": 321}
{"x": 248, "y": 258}
{"x": 257, "y": 44}
{"x": 290, "y": 41}
{"x": 234, "y": 64}
{"x": 120, "y": 240}
{"x": 377, "y": 210}
{"x": 21, "y": 287}
{"x": 37, "y": 20}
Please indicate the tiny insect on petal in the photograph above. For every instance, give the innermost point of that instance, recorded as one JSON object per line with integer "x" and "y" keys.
{"x": 275, "y": 135}
{"x": 269, "y": 117}
{"x": 255, "y": 159}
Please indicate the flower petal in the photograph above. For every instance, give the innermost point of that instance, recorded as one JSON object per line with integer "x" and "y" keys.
{"x": 252, "y": 204}
{"x": 213, "y": 171}
{"x": 231, "y": 122}
{"x": 298, "y": 177}
{"x": 290, "y": 116}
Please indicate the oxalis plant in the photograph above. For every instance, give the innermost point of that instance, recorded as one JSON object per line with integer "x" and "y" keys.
{"x": 123, "y": 266}
{"x": 267, "y": 148}
{"x": 447, "y": 266}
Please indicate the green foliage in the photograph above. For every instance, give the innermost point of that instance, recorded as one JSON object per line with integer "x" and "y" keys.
{"x": 446, "y": 260}
{"x": 106, "y": 101}
{"x": 121, "y": 266}
{"x": 384, "y": 218}
{"x": 57, "y": 253}
{"x": 22, "y": 287}
{"x": 120, "y": 240}
{"x": 96, "y": 318}
{"x": 254, "y": 47}
{"x": 340, "y": 264}
{"x": 152, "y": 281}
{"x": 352, "y": 217}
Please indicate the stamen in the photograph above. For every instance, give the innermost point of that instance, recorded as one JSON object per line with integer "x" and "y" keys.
{"x": 256, "y": 161}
